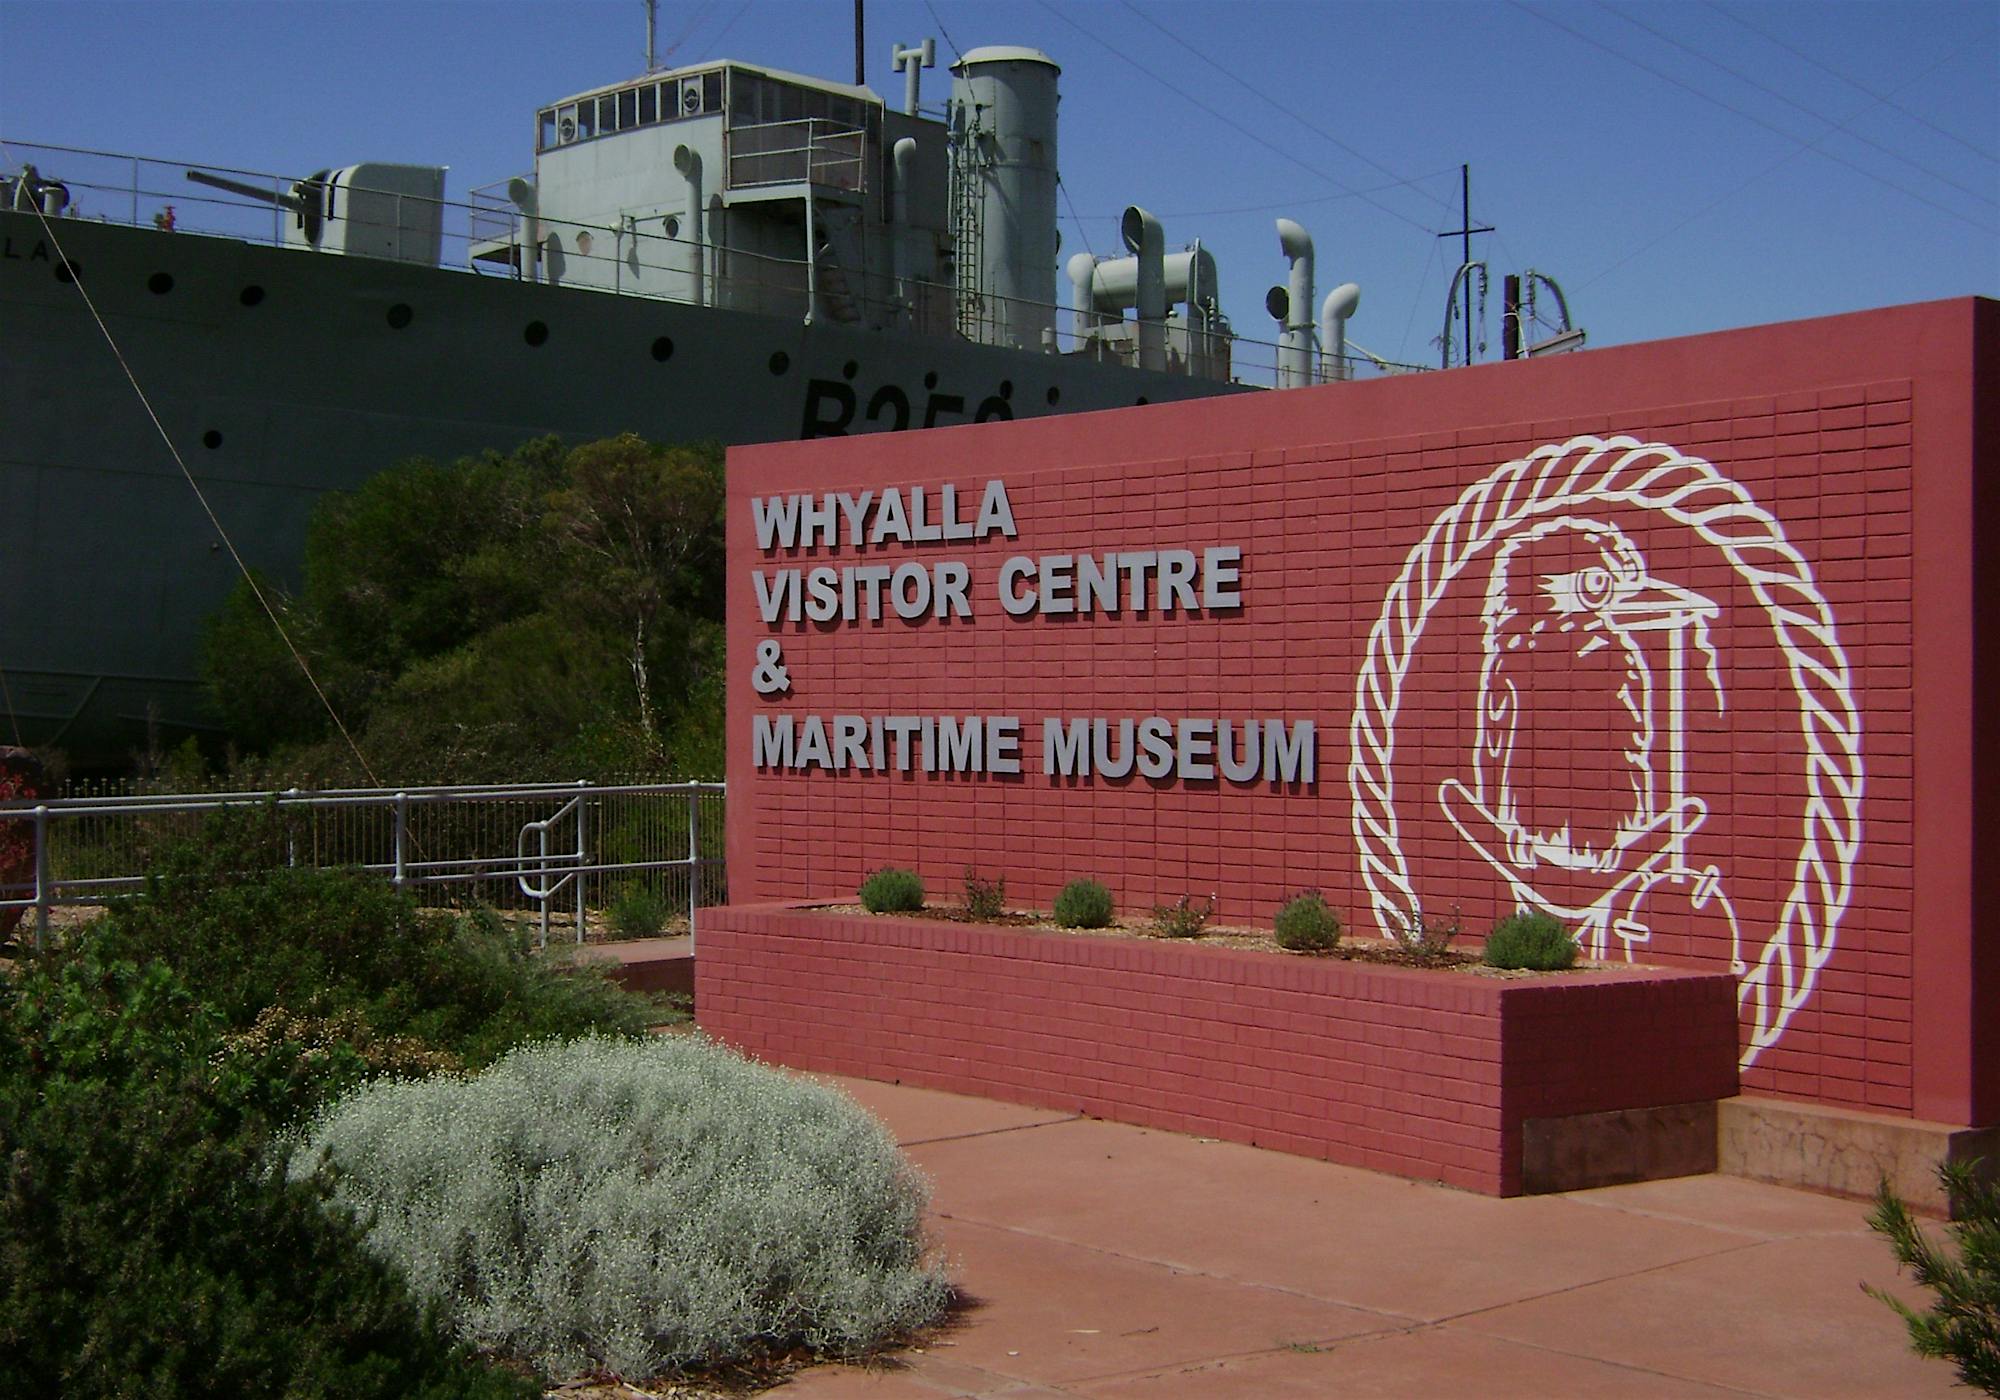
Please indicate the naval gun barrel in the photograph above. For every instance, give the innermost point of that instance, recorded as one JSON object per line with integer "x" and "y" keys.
{"x": 287, "y": 201}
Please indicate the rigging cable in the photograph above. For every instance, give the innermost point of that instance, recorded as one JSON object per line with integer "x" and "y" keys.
{"x": 221, "y": 533}
{"x": 1818, "y": 116}
{"x": 1754, "y": 120}
{"x": 13, "y": 719}
{"x": 938, "y": 20}
{"x": 1268, "y": 101}
{"x": 1755, "y": 179}
{"x": 1227, "y": 121}
{"x": 1854, "y": 83}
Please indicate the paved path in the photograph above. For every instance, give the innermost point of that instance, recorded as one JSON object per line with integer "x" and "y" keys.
{"x": 1114, "y": 1262}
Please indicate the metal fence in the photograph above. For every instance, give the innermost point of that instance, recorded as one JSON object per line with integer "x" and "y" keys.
{"x": 559, "y": 850}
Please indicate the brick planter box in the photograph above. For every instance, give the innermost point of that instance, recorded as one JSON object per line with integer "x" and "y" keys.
{"x": 1498, "y": 1085}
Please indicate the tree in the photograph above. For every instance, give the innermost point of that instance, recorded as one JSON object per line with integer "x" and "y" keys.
{"x": 537, "y": 615}
{"x": 642, "y": 527}
{"x": 1963, "y": 1324}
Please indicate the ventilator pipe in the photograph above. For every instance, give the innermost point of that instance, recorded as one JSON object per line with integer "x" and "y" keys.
{"x": 904, "y": 157}
{"x": 1295, "y": 343}
{"x": 1146, "y": 241}
{"x": 522, "y": 193}
{"x": 688, "y": 162}
{"x": 1115, "y": 282}
{"x": 1082, "y": 269}
{"x": 1342, "y": 302}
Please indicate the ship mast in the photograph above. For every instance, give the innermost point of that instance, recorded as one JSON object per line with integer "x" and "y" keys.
{"x": 652, "y": 27}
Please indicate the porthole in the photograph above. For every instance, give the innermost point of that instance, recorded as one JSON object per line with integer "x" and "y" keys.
{"x": 1142, "y": 400}
{"x": 251, "y": 295}
{"x": 1055, "y": 395}
{"x": 663, "y": 348}
{"x": 160, "y": 283}
{"x": 211, "y": 439}
{"x": 535, "y": 333}
{"x": 1006, "y": 388}
{"x": 67, "y": 271}
{"x": 850, "y": 369}
{"x": 780, "y": 362}
{"x": 930, "y": 380}
{"x": 672, "y": 225}
{"x": 400, "y": 316}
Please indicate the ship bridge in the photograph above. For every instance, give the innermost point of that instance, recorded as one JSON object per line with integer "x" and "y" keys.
{"x": 733, "y": 185}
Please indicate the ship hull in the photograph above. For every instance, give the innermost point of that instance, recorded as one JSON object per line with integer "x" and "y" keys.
{"x": 278, "y": 376}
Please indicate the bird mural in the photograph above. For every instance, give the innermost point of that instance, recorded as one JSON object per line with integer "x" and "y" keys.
{"x": 1576, "y": 791}
{"x": 1564, "y": 690}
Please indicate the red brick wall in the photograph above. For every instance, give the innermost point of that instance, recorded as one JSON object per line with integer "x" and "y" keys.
{"x": 1817, "y": 492}
{"x": 1378, "y": 1067}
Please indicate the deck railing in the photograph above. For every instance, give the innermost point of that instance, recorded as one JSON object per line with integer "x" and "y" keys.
{"x": 487, "y": 235}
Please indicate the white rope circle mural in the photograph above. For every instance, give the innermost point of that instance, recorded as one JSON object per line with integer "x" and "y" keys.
{"x": 1506, "y": 514}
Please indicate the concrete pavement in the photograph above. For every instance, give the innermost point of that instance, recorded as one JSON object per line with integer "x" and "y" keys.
{"x": 1108, "y": 1261}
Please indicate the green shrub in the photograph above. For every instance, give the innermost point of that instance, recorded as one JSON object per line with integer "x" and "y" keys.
{"x": 892, "y": 891}
{"x": 227, "y": 915}
{"x": 1183, "y": 919}
{"x": 1083, "y": 904}
{"x": 984, "y": 899}
{"x": 144, "y": 1247}
{"x": 1963, "y": 1324}
{"x": 1537, "y": 941}
{"x": 636, "y": 1206}
{"x": 639, "y": 911}
{"x": 1306, "y": 925}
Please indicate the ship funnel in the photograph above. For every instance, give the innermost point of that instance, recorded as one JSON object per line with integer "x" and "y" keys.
{"x": 1003, "y": 125}
{"x": 1342, "y": 302}
{"x": 1295, "y": 342}
{"x": 1145, "y": 240}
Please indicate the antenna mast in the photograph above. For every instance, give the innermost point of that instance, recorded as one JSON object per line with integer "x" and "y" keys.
{"x": 1465, "y": 230}
{"x": 652, "y": 26}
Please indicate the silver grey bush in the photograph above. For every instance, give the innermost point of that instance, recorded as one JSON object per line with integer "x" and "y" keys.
{"x": 637, "y": 1206}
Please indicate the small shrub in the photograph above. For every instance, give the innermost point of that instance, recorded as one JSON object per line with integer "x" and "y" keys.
{"x": 1183, "y": 919}
{"x": 639, "y": 911}
{"x": 144, "y": 1248}
{"x": 1536, "y": 941}
{"x": 634, "y": 1206}
{"x": 984, "y": 899}
{"x": 890, "y": 891}
{"x": 228, "y": 916}
{"x": 1963, "y": 1325}
{"x": 1083, "y": 904}
{"x": 1306, "y": 925}
{"x": 1425, "y": 938}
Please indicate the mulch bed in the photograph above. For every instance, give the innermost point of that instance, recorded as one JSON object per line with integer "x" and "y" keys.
{"x": 1350, "y": 949}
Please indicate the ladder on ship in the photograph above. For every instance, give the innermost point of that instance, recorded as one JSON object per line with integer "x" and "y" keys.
{"x": 969, "y": 160}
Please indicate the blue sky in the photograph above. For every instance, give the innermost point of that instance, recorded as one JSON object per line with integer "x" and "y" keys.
{"x": 1678, "y": 167}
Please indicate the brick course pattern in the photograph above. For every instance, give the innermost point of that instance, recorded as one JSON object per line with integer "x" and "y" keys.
{"x": 1422, "y": 1074}
{"x": 1832, "y": 730}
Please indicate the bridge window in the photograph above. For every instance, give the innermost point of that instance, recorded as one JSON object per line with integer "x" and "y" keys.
{"x": 545, "y": 130}
{"x": 628, "y": 109}
{"x": 649, "y": 105}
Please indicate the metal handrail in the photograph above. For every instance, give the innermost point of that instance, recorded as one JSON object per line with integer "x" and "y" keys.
{"x": 539, "y": 875}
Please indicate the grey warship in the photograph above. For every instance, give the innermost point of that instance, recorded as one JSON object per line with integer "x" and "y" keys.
{"x": 718, "y": 251}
